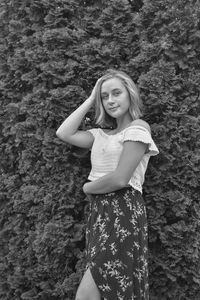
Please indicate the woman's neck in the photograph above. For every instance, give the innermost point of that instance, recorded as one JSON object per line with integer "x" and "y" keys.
{"x": 123, "y": 122}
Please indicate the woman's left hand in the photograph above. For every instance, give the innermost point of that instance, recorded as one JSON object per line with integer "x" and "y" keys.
{"x": 85, "y": 188}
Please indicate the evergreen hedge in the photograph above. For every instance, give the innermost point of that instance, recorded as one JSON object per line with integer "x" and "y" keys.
{"x": 52, "y": 53}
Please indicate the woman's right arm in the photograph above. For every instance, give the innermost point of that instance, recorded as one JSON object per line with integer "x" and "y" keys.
{"x": 68, "y": 131}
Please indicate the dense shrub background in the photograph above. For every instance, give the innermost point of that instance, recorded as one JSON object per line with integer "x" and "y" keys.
{"x": 52, "y": 52}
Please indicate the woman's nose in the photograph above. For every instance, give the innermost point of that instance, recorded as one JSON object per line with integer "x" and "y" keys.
{"x": 110, "y": 99}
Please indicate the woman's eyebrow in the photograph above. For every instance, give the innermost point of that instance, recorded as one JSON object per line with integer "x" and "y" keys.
{"x": 113, "y": 90}
{"x": 116, "y": 89}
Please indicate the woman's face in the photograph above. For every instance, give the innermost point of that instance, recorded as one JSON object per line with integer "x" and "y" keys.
{"x": 115, "y": 98}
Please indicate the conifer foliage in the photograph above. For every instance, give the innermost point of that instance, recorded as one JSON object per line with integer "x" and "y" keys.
{"x": 51, "y": 54}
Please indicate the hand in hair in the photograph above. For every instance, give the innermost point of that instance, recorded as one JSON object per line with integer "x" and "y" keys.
{"x": 92, "y": 96}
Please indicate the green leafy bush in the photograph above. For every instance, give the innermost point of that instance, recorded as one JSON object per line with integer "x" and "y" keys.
{"x": 52, "y": 53}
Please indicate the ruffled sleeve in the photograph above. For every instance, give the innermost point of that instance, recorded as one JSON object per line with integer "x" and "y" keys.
{"x": 138, "y": 133}
{"x": 93, "y": 131}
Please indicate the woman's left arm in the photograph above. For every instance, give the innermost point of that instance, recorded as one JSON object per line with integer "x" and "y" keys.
{"x": 131, "y": 155}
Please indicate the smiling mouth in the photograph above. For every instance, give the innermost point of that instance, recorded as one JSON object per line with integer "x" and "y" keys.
{"x": 113, "y": 108}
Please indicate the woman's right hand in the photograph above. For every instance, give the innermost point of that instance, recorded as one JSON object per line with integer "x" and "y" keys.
{"x": 92, "y": 96}
{"x": 68, "y": 131}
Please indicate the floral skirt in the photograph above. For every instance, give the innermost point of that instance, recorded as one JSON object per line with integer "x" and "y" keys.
{"x": 117, "y": 248}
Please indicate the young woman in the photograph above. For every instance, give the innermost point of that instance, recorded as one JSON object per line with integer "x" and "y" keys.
{"x": 117, "y": 226}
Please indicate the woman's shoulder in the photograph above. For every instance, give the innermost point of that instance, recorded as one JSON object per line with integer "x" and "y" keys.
{"x": 99, "y": 132}
{"x": 140, "y": 122}
{"x": 93, "y": 131}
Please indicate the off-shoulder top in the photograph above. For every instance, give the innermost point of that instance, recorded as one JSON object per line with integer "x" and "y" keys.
{"x": 106, "y": 151}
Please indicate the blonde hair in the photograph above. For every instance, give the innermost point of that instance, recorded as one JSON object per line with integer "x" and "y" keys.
{"x": 101, "y": 117}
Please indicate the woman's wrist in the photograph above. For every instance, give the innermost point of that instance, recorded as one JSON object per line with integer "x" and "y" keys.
{"x": 90, "y": 100}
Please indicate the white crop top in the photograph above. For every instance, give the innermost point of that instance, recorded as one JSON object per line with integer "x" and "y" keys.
{"x": 106, "y": 150}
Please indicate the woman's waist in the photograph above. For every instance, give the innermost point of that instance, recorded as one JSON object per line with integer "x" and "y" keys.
{"x": 135, "y": 181}
{"x": 126, "y": 189}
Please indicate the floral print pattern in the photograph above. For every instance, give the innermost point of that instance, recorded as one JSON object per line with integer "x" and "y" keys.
{"x": 117, "y": 245}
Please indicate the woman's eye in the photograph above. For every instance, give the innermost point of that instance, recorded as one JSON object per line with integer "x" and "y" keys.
{"x": 117, "y": 93}
{"x": 104, "y": 97}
